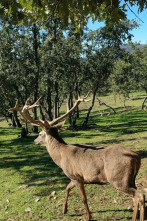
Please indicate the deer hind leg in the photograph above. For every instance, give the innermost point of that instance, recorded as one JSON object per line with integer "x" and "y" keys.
{"x": 139, "y": 202}
{"x": 70, "y": 186}
{"x": 84, "y": 198}
{"x": 142, "y": 207}
{"x": 136, "y": 206}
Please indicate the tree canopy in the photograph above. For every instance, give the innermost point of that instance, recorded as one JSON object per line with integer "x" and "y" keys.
{"x": 69, "y": 11}
{"x": 45, "y": 60}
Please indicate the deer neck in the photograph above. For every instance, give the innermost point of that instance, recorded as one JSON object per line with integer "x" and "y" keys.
{"x": 54, "y": 143}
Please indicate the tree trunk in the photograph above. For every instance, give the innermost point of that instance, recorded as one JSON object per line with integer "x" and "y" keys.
{"x": 144, "y": 103}
{"x": 76, "y": 97}
{"x": 41, "y": 113}
{"x": 56, "y": 109}
{"x": 124, "y": 101}
{"x": 16, "y": 119}
{"x": 49, "y": 101}
{"x": 115, "y": 98}
{"x": 10, "y": 116}
{"x": 34, "y": 128}
{"x": 23, "y": 133}
{"x": 78, "y": 113}
{"x": 90, "y": 109}
{"x": 69, "y": 106}
{"x": 19, "y": 94}
{"x": 13, "y": 121}
{"x": 6, "y": 119}
{"x": 72, "y": 117}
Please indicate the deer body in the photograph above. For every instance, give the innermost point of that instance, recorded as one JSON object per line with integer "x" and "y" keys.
{"x": 83, "y": 164}
{"x": 73, "y": 159}
{"x": 90, "y": 164}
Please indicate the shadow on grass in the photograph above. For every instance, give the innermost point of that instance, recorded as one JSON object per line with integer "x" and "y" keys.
{"x": 124, "y": 123}
{"x": 143, "y": 153}
{"x": 33, "y": 163}
{"x": 104, "y": 211}
{"x": 115, "y": 211}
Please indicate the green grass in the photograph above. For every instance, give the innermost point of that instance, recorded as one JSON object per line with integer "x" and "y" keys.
{"x": 28, "y": 175}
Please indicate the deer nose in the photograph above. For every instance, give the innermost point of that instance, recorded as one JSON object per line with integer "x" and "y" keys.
{"x": 35, "y": 141}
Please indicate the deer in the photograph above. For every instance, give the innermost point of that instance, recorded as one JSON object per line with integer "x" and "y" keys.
{"x": 83, "y": 164}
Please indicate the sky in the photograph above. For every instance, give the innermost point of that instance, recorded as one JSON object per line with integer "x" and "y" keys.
{"x": 140, "y": 34}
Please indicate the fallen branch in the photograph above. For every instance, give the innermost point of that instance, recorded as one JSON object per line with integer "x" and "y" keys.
{"x": 102, "y": 103}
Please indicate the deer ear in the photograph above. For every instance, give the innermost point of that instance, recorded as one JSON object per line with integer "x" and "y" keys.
{"x": 59, "y": 125}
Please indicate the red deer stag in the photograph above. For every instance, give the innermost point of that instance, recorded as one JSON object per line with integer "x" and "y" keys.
{"x": 113, "y": 164}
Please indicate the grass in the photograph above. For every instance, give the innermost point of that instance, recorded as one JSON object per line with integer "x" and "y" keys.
{"x": 29, "y": 177}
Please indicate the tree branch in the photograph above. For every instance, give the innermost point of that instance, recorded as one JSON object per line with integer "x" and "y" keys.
{"x": 134, "y": 12}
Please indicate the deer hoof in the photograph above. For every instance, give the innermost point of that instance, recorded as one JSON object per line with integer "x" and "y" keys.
{"x": 89, "y": 217}
{"x": 64, "y": 210}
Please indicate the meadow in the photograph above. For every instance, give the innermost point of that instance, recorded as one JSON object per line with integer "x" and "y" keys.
{"x": 32, "y": 187}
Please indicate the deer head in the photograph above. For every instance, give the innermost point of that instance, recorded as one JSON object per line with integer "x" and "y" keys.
{"x": 43, "y": 137}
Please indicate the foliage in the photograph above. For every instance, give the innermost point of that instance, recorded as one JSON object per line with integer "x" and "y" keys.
{"x": 123, "y": 77}
{"x": 75, "y": 12}
{"x": 130, "y": 72}
{"x": 48, "y": 60}
{"x": 140, "y": 66}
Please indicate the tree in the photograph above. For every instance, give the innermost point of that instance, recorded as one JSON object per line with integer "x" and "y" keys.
{"x": 102, "y": 50}
{"x": 140, "y": 68}
{"x": 61, "y": 66}
{"x": 98, "y": 68}
{"x": 47, "y": 60}
{"x": 8, "y": 86}
{"x": 17, "y": 63}
{"x": 71, "y": 11}
{"x": 122, "y": 77}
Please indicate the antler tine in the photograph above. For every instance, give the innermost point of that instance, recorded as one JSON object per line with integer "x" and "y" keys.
{"x": 87, "y": 95}
{"x": 36, "y": 104}
{"x": 27, "y": 101}
{"x": 77, "y": 102}
{"x": 16, "y": 105}
{"x": 15, "y": 108}
{"x": 78, "y": 96}
{"x": 28, "y": 122}
{"x": 26, "y": 116}
{"x": 84, "y": 98}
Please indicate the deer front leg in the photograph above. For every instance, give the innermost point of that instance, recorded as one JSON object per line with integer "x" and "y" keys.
{"x": 84, "y": 198}
{"x": 68, "y": 189}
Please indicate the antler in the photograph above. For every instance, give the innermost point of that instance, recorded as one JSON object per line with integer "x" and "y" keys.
{"x": 25, "y": 113}
{"x": 77, "y": 102}
{"x": 15, "y": 108}
{"x": 45, "y": 124}
{"x": 19, "y": 109}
